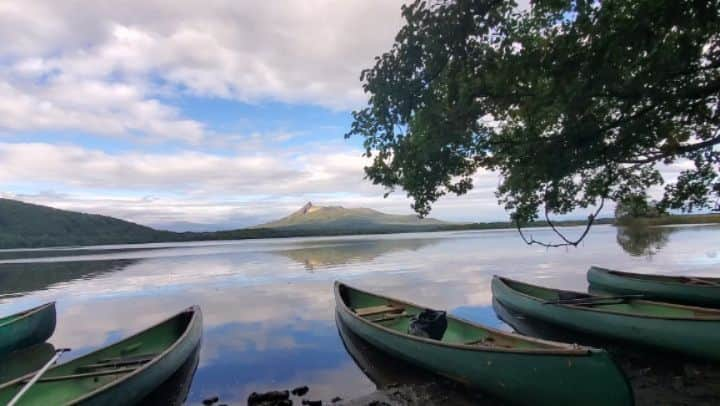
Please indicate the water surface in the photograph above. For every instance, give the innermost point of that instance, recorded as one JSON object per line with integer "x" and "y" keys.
{"x": 268, "y": 306}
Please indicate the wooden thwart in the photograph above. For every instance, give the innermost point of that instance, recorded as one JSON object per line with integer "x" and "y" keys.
{"x": 593, "y": 300}
{"x": 698, "y": 281}
{"x": 391, "y": 317}
{"x": 373, "y": 310}
{"x": 116, "y": 362}
{"x": 87, "y": 375}
{"x": 128, "y": 358}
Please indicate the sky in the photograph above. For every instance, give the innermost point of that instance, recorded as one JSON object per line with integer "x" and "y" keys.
{"x": 196, "y": 115}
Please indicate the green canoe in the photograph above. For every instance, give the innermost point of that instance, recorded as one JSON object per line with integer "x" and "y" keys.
{"x": 698, "y": 291}
{"x": 120, "y": 374}
{"x": 516, "y": 369}
{"x": 690, "y": 330}
{"x": 27, "y": 328}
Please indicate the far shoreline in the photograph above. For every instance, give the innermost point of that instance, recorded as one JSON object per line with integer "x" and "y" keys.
{"x": 268, "y": 233}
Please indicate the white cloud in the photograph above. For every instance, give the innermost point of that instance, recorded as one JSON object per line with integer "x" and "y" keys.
{"x": 102, "y": 67}
{"x": 107, "y": 68}
{"x": 216, "y": 192}
{"x": 97, "y": 107}
{"x": 309, "y": 51}
{"x": 187, "y": 171}
{"x": 220, "y": 191}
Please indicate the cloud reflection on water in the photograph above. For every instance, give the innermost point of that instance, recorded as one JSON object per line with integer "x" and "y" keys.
{"x": 269, "y": 323}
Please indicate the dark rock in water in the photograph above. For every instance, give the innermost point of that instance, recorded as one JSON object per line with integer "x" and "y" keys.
{"x": 312, "y": 402}
{"x": 300, "y": 391}
{"x": 677, "y": 383}
{"x": 336, "y": 399}
{"x": 283, "y": 402}
{"x": 273, "y": 398}
{"x": 210, "y": 401}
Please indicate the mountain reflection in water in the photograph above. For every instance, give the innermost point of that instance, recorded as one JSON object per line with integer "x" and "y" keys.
{"x": 346, "y": 252}
{"x": 269, "y": 324}
{"x": 19, "y": 279}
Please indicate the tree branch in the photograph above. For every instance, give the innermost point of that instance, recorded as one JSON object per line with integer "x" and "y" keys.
{"x": 683, "y": 149}
{"x": 566, "y": 242}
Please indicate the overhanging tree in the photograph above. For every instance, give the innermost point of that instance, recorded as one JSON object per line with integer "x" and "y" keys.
{"x": 572, "y": 102}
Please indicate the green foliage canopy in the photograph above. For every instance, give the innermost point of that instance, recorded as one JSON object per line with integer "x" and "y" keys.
{"x": 636, "y": 206}
{"x": 572, "y": 102}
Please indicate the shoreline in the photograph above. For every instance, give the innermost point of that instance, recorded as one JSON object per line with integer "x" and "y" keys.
{"x": 265, "y": 233}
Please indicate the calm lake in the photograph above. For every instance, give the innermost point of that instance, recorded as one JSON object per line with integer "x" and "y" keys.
{"x": 268, "y": 307}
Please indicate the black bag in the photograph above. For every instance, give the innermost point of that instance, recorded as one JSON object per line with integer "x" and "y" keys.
{"x": 429, "y": 324}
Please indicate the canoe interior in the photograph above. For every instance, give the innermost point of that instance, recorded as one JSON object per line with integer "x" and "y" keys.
{"x": 685, "y": 280}
{"x": 631, "y": 307}
{"x": 7, "y": 320}
{"x": 17, "y": 316}
{"x": 104, "y": 366}
{"x": 397, "y": 317}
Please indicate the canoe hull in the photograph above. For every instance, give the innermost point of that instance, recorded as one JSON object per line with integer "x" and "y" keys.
{"x": 138, "y": 386}
{"x": 517, "y": 377}
{"x": 661, "y": 333}
{"x": 177, "y": 338}
{"x": 664, "y": 290}
{"x": 24, "y": 331}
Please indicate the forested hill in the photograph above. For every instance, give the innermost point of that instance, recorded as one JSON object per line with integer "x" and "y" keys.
{"x": 30, "y": 225}
{"x": 24, "y": 225}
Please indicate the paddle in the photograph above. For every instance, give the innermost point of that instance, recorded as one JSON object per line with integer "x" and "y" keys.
{"x": 699, "y": 281}
{"x": 58, "y": 353}
{"x": 593, "y": 300}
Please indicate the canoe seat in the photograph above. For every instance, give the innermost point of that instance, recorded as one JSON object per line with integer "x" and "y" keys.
{"x": 85, "y": 375}
{"x": 373, "y": 310}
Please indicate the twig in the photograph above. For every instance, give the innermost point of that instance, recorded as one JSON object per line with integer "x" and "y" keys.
{"x": 567, "y": 242}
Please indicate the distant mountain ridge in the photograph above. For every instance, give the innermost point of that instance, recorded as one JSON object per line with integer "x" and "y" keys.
{"x": 31, "y": 225}
{"x": 327, "y": 218}
{"x": 25, "y": 225}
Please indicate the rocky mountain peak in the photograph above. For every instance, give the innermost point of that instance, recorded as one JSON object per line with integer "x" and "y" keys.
{"x": 306, "y": 208}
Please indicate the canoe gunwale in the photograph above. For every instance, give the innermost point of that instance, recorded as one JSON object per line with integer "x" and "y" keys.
{"x": 562, "y": 348}
{"x": 662, "y": 279}
{"x": 195, "y": 310}
{"x": 615, "y": 312}
{"x": 27, "y": 313}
